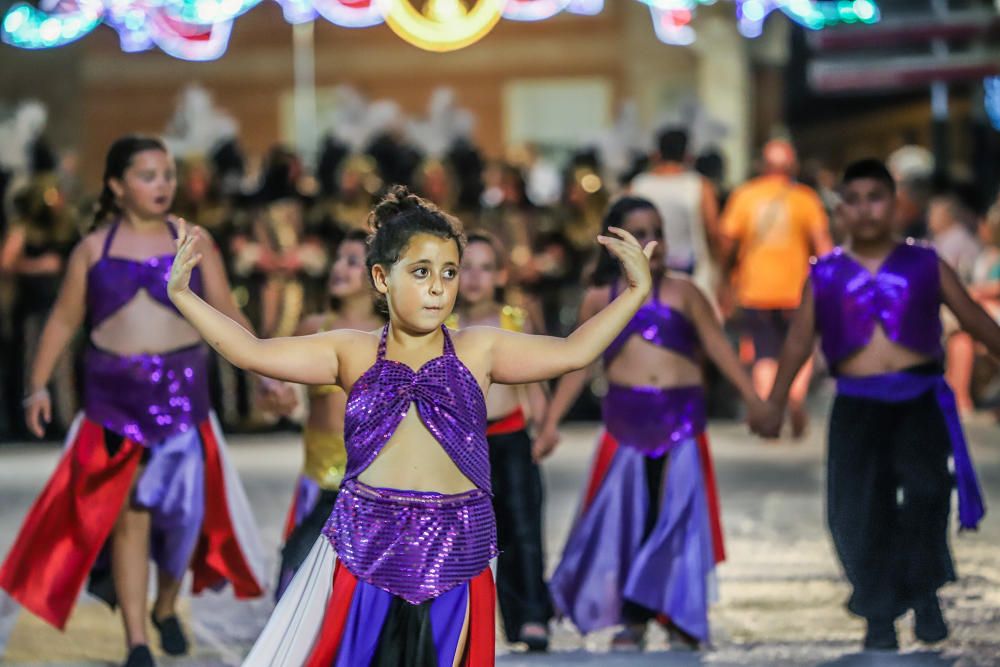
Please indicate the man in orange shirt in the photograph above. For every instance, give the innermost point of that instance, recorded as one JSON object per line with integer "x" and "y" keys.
{"x": 773, "y": 225}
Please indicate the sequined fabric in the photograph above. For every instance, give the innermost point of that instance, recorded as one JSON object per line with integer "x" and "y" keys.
{"x": 325, "y": 458}
{"x": 114, "y": 281}
{"x": 659, "y": 324}
{"x": 903, "y": 297}
{"x": 415, "y": 545}
{"x": 449, "y": 402}
{"x": 147, "y": 397}
{"x": 654, "y": 420}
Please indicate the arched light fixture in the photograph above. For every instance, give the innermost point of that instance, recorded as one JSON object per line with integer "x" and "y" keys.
{"x": 445, "y": 25}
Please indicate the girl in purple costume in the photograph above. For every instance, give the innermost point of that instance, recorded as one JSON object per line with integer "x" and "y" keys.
{"x": 144, "y": 473}
{"x": 875, "y": 304}
{"x": 351, "y": 307}
{"x": 646, "y": 541}
{"x": 401, "y": 575}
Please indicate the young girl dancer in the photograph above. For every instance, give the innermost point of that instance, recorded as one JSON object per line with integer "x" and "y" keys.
{"x": 145, "y": 471}
{"x": 648, "y": 536}
{"x": 401, "y": 575}
{"x": 875, "y": 304}
{"x": 351, "y": 307}
{"x": 517, "y": 482}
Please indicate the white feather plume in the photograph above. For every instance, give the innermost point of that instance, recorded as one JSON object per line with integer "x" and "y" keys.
{"x": 18, "y": 132}
{"x": 445, "y": 124}
{"x": 355, "y": 121}
{"x": 198, "y": 126}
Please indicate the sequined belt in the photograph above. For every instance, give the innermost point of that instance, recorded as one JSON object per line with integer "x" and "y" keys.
{"x": 654, "y": 419}
{"x": 147, "y": 397}
{"x": 413, "y": 544}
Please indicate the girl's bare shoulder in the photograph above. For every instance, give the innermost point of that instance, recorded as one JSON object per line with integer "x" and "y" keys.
{"x": 92, "y": 244}
{"x": 680, "y": 291}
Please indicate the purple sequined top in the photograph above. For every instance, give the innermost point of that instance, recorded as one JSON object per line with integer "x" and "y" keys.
{"x": 114, "y": 281}
{"x": 413, "y": 544}
{"x": 449, "y": 402}
{"x": 143, "y": 397}
{"x": 903, "y": 297}
{"x": 660, "y": 325}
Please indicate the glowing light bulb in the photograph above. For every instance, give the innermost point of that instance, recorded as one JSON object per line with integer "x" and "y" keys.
{"x": 864, "y": 9}
{"x": 50, "y": 30}
{"x": 753, "y": 11}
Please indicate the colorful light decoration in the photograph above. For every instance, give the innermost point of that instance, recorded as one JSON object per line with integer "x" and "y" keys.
{"x": 672, "y": 18}
{"x": 812, "y": 14}
{"x": 533, "y": 10}
{"x": 200, "y": 29}
{"x": 445, "y": 25}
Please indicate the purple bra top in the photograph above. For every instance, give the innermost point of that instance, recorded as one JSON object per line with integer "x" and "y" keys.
{"x": 449, "y": 402}
{"x": 660, "y": 325}
{"x": 114, "y": 281}
{"x": 903, "y": 296}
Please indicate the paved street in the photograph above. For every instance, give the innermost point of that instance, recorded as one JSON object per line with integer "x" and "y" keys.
{"x": 781, "y": 592}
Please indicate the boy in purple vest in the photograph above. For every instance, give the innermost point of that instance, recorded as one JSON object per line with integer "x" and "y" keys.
{"x": 875, "y": 304}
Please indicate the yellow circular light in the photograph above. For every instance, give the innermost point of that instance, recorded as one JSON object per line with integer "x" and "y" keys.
{"x": 590, "y": 183}
{"x": 448, "y": 28}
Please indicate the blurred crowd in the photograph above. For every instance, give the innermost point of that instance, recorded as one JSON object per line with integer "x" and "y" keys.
{"x": 277, "y": 223}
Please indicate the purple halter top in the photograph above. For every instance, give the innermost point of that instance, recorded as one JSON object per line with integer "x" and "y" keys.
{"x": 654, "y": 420}
{"x": 903, "y": 296}
{"x": 416, "y": 545}
{"x": 144, "y": 397}
{"x": 114, "y": 281}
{"x": 658, "y": 324}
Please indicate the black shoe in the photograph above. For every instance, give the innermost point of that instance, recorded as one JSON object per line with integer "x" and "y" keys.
{"x": 140, "y": 656}
{"x": 630, "y": 638}
{"x": 680, "y": 640}
{"x": 536, "y": 636}
{"x": 172, "y": 639}
{"x": 929, "y": 626}
{"x": 881, "y": 636}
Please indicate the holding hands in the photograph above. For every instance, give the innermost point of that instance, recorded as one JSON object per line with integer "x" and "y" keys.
{"x": 765, "y": 418}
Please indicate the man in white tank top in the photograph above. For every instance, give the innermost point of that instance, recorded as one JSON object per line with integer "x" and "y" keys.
{"x": 687, "y": 203}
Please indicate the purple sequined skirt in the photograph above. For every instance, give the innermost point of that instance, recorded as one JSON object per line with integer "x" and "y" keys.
{"x": 147, "y": 397}
{"x": 413, "y": 544}
{"x": 654, "y": 420}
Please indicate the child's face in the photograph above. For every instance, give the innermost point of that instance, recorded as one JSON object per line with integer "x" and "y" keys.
{"x": 939, "y": 215}
{"x": 422, "y": 285}
{"x": 867, "y": 209}
{"x": 148, "y": 185}
{"x": 481, "y": 275}
{"x": 646, "y": 225}
{"x": 347, "y": 275}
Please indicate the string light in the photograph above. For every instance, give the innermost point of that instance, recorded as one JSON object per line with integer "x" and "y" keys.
{"x": 533, "y": 10}
{"x": 200, "y": 29}
{"x": 29, "y": 27}
{"x": 349, "y": 13}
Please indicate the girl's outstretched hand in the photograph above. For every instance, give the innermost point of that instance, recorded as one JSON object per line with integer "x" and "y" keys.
{"x": 634, "y": 257}
{"x": 185, "y": 260}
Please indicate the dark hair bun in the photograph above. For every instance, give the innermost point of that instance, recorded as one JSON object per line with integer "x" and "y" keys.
{"x": 398, "y": 203}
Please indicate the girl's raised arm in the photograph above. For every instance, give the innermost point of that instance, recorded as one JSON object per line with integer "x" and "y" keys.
{"x": 522, "y": 358}
{"x": 304, "y": 359}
